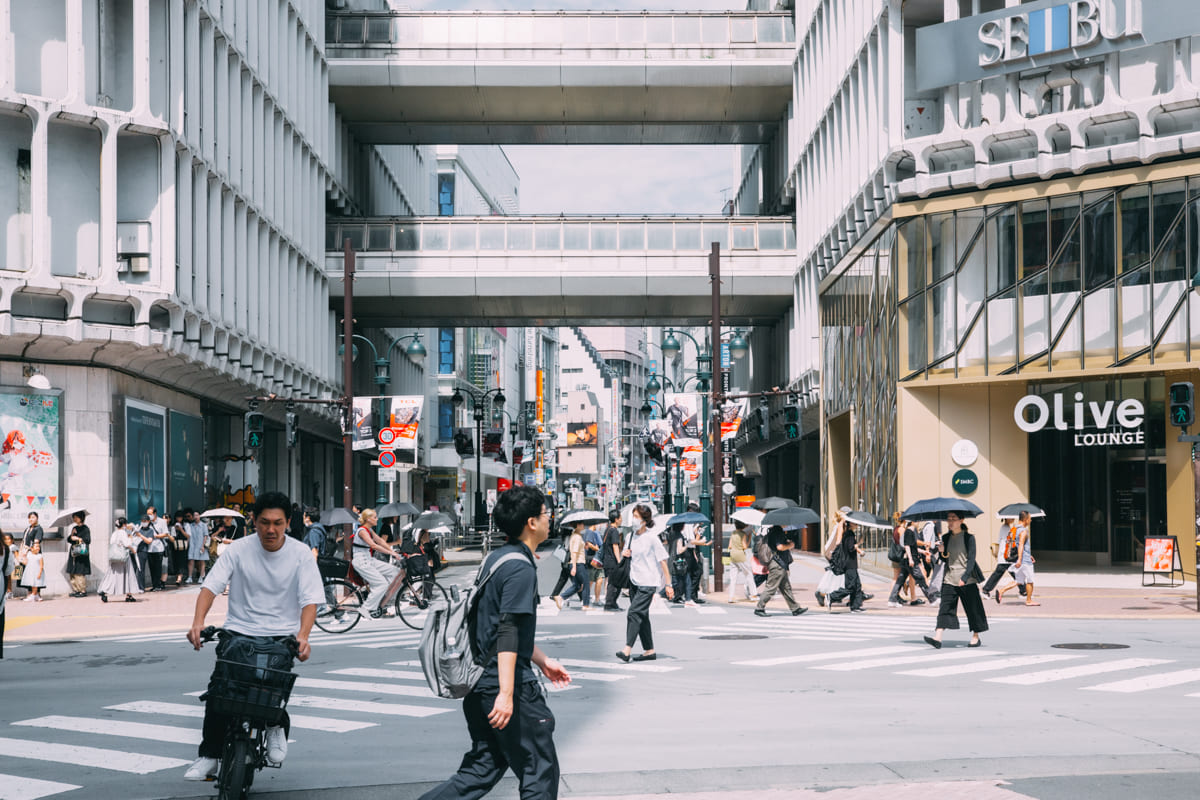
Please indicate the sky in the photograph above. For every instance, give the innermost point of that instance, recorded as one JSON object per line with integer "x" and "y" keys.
{"x": 578, "y": 179}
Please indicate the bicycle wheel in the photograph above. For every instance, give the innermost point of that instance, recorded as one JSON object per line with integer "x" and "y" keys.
{"x": 413, "y": 601}
{"x": 231, "y": 779}
{"x": 341, "y": 614}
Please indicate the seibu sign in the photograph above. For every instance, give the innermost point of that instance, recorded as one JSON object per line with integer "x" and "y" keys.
{"x": 1032, "y": 413}
{"x": 1074, "y": 25}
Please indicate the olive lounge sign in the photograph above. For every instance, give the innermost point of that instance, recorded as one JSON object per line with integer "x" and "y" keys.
{"x": 1095, "y": 424}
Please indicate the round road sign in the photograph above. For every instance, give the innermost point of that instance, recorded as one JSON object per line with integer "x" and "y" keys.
{"x": 387, "y": 458}
{"x": 387, "y": 436}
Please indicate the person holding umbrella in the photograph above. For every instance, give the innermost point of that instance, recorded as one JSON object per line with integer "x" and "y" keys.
{"x": 778, "y": 558}
{"x": 959, "y": 582}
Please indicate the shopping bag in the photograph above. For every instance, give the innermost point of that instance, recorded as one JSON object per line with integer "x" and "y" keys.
{"x": 830, "y": 583}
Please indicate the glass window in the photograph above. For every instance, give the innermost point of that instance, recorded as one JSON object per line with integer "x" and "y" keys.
{"x": 912, "y": 323}
{"x": 1135, "y": 313}
{"x": 379, "y": 237}
{"x": 407, "y": 237}
{"x": 352, "y": 30}
{"x": 714, "y": 232}
{"x": 633, "y": 236}
{"x": 446, "y": 194}
{"x": 1135, "y": 227}
{"x": 658, "y": 30}
{"x": 658, "y": 236}
{"x": 631, "y": 30}
{"x": 435, "y": 236}
{"x": 941, "y": 320}
{"x": 1067, "y": 352}
{"x": 1064, "y": 244}
{"x": 941, "y": 230}
{"x": 575, "y": 30}
{"x": 741, "y": 29}
{"x": 1002, "y": 332}
{"x": 548, "y": 30}
{"x": 445, "y": 420}
{"x": 355, "y": 234}
{"x": 604, "y": 236}
{"x": 1099, "y": 234}
{"x": 1002, "y": 251}
{"x": 463, "y": 235}
{"x": 770, "y": 30}
{"x": 603, "y": 30}
{"x": 445, "y": 351}
{"x": 714, "y": 30}
{"x": 770, "y": 235}
{"x": 1169, "y": 232}
{"x": 743, "y": 236}
{"x": 1034, "y": 333}
{"x": 332, "y": 240}
{"x": 971, "y": 290}
{"x": 520, "y": 236}
{"x": 575, "y": 236}
{"x": 379, "y": 30}
{"x": 911, "y": 256}
{"x": 1099, "y": 332}
{"x": 491, "y": 236}
{"x": 547, "y": 236}
{"x": 1034, "y": 239}
{"x": 1064, "y": 315}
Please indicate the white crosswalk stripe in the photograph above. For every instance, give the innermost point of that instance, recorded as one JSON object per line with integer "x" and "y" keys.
{"x": 364, "y": 686}
{"x": 389, "y": 674}
{"x": 988, "y": 666}
{"x": 366, "y": 706}
{"x": 299, "y": 721}
{"x": 810, "y": 657}
{"x": 117, "y": 729}
{"x": 618, "y": 665}
{"x": 98, "y": 757}
{"x": 1048, "y": 676}
{"x": 18, "y": 788}
{"x": 936, "y": 656}
{"x": 1148, "y": 682}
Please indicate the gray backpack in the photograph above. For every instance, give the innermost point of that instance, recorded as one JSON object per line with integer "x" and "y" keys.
{"x": 447, "y": 651}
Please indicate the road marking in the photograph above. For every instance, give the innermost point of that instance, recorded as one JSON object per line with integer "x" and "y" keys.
{"x": 893, "y": 662}
{"x": 374, "y": 636}
{"x": 301, "y": 721}
{"x": 640, "y": 666}
{"x": 18, "y": 788}
{"x": 1047, "y": 676}
{"x": 987, "y": 666}
{"x": 118, "y": 760}
{"x": 367, "y": 672}
{"x": 1148, "y": 682}
{"x": 117, "y": 729}
{"x": 364, "y": 706}
{"x": 401, "y": 643}
{"x": 552, "y": 637}
{"x": 873, "y": 651}
{"x": 364, "y": 686}
{"x": 598, "y": 676}
{"x": 711, "y": 610}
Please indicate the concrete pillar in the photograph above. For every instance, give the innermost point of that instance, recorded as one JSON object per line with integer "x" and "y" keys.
{"x": 141, "y": 57}
{"x": 108, "y": 202}
{"x": 76, "y": 72}
{"x": 39, "y": 195}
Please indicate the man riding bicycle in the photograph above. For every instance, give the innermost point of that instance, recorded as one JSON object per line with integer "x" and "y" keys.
{"x": 274, "y": 589}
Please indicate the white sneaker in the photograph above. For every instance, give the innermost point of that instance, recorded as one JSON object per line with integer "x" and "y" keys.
{"x": 29, "y": 599}
{"x": 893, "y": 605}
{"x": 365, "y": 616}
{"x": 201, "y": 769}
{"x": 690, "y": 604}
{"x": 276, "y": 744}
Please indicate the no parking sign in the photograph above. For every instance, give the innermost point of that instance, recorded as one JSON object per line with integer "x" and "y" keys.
{"x": 387, "y": 458}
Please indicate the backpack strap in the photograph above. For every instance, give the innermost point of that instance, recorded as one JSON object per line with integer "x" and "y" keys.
{"x": 483, "y": 577}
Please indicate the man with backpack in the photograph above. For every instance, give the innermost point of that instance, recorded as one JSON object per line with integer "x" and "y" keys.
{"x": 315, "y": 536}
{"x": 510, "y": 724}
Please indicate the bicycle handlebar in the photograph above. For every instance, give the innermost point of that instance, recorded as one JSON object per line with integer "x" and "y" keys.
{"x": 210, "y": 633}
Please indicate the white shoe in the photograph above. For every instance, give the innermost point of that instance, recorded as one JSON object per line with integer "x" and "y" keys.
{"x": 201, "y": 769}
{"x": 365, "y": 616}
{"x": 29, "y": 599}
{"x": 691, "y": 604}
{"x": 893, "y": 605}
{"x": 276, "y": 744}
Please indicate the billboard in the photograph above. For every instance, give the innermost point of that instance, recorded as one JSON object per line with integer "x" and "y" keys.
{"x": 581, "y": 434}
{"x": 145, "y": 457}
{"x": 30, "y": 455}
{"x": 405, "y": 420}
{"x": 732, "y": 413}
{"x": 186, "y": 453}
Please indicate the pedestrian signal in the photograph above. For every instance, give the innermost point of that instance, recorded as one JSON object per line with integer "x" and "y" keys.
{"x": 791, "y": 421}
{"x": 254, "y": 425}
{"x": 292, "y": 429}
{"x": 764, "y": 422}
{"x": 1183, "y": 409}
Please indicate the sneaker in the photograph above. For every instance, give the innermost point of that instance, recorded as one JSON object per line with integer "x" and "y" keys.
{"x": 37, "y": 598}
{"x": 690, "y": 604}
{"x": 276, "y": 744}
{"x": 798, "y": 611}
{"x": 202, "y": 769}
{"x": 367, "y": 616}
{"x": 917, "y": 602}
{"x": 29, "y": 599}
{"x": 758, "y": 612}
{"x": 857, "y": 610}
{"x": 701, "y": 600}
{"x": 821, "y": 599}
{"x": 894, "y": 604}
{"x": 867, "y": 597}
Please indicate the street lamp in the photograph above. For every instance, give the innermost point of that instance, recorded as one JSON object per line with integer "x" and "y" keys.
{"x": 477, "y": 402}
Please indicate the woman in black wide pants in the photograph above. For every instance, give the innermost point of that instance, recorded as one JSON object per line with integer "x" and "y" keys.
{"x": 960, "y": 582}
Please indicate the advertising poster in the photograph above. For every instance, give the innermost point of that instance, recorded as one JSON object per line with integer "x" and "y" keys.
{"x": 406, "y": 420}
{"x": 1160, "y": 554}
{"x": 186, "y": 452}
{"x": 732, "y": 413}
{"x": 363, "y": 426}
{"x": 581, "y": 434}
{"x": 683, "y": 412}
{"x": 493, "y": 445}
{"x": 518, "y": 452}
{"x": 145, "y": 458}
{"x": 30, "y": 456}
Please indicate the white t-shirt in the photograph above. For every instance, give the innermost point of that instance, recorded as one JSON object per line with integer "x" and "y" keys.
{"x": 266, "y": 590}
{"x": 646, "y": 552}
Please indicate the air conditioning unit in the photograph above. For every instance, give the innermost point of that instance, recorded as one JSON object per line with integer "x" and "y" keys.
{"x": 133, "y": 247}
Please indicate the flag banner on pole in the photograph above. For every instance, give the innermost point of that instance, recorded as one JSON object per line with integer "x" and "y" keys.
{"x": 406, "y": 420}
{"x": 363, "y": 425}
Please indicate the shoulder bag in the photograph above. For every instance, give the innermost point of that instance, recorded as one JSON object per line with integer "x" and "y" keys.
{"x": 619, "y": 577}
{"x": 895, "y": 552}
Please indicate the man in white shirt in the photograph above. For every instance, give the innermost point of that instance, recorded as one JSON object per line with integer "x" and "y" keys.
{"x": 274, "y": 589}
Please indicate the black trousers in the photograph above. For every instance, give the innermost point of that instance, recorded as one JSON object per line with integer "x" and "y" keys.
{"x": 156, "y": 564}
{"x": 525, "y": 745}
{"x": 637, "y": 622}
{"x": 141, "y": 563}
{"x": 997, "y": 573}
{"x": 2, "y": 613}
{"x": 852, "y": 589}
{"x": 908, "y": 571}
{"x": 947, "y": 618}
{"x": 563, "y": 577}
{"x": 212, "y": 733}
{"x": 611, "y": 593}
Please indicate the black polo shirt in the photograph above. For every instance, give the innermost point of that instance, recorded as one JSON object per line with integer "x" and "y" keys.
{"x": 612, "y": 535}
{"x": 512, "y": 590}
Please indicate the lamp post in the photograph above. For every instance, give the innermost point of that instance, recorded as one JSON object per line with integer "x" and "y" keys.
{"x": 477, "y": 401}
{"x": 383, "y": 376}
{"x": 680, "y": 504}
{"x": 498, "y": 415}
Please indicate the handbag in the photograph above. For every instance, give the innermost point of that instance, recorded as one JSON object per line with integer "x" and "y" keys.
{"x": 619, "y": 577}
{"x": 560, "y": 553}
{"x": 79, "y": 549}
{"x": 895, "y": 552}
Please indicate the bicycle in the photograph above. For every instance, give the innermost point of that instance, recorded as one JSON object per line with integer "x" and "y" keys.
{"x": 254, "y": 698}
{"x": 345, "y": 597}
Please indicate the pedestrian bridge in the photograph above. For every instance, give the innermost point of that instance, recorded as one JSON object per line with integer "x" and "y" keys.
{"x": 532, "y": 270}
{"x": 492, "y": 77}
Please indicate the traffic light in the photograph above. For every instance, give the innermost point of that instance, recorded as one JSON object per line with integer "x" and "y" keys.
{"x": 254, "y": 423}
{"x": 292, "y": 428}
{"x": 791, "y": 421}
{"x": 764, "y": 422}
{"x": 463, "y": 444}
{"x": 653, "y": 451}
{"x": 1183, "y": 409}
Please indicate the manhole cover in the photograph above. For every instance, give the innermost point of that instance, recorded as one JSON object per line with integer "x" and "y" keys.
{"x": 735, "y": 636}
{"x": 56, "y": 641}
{"x": 1091, "y": 646}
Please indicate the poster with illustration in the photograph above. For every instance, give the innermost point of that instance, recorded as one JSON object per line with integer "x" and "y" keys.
{"x": 145, "y": 458}
{"x": 1161, "y": 555}
{"x": 186, "y": 454}
{"x": 30, "y": 455}
{"x": 406, "y": 420}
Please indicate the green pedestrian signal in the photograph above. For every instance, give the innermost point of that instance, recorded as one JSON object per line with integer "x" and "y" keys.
{"x": 791, "y": 421}
{"x": 254, "y": 426}
{"x": 1183, "y": 409}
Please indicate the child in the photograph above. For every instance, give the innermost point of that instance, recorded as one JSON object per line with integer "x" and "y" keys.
{"x": 35, "y": 573}
{"x": 11, "y": 549}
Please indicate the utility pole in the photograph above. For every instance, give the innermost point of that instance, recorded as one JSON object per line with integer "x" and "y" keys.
{"x": 348, "y": 382}
{"x": 718, "y": 497}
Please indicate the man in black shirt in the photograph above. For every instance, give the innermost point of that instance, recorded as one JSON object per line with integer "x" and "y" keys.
{"x": 778, "y": 568}
{"x": 511, "y": 726}
{"x": 610, "y": 556}
{"x": 909, "y": 569}
{"x": 846, "y": 540}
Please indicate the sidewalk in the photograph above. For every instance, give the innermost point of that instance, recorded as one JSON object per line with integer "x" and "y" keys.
{"x": 1063, "y": 595}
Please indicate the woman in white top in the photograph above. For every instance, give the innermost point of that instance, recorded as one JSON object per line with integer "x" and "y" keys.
{"x": 647, "y": 572}
{"x": 122, "y": 575}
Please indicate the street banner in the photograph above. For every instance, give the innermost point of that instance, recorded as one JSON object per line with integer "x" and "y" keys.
{"x": 518, "y": 452}
{"x": 581, "y": 434}
{"x": 493, "y": 445}
{"x": 145, "y": 458}
{"x": 406, "y": 420}
{"x": 363, "y": 424}
{"x": 683, "y": 412}
{"x": 732, "y": 413}
{"x": 186, "y": 452}
{"x": 30, "y": 455}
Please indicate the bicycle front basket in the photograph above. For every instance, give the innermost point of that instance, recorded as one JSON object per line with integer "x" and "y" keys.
{"x": 244, "y": 691}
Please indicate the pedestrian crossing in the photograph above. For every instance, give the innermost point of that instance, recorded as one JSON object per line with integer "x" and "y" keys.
{"x": 843, "y": 628}
{"x": 161, "y": 734}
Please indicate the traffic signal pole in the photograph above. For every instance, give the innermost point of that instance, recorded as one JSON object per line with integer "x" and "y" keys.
{"x": 1181, "y": 398}
{"x": 348, "y": 384}
{"x": 714, "y": 421}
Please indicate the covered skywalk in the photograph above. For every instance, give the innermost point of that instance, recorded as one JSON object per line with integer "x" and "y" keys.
{"x": 616, "y": 77}
{"x": 556, "y": 270}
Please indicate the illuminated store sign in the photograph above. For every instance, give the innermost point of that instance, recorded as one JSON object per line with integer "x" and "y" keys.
{"x": 1033, "y": 413}
{"x": 1043, "y": 33}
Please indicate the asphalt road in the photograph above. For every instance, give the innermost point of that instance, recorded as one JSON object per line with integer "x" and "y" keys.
{"x": 734, "y": 702}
